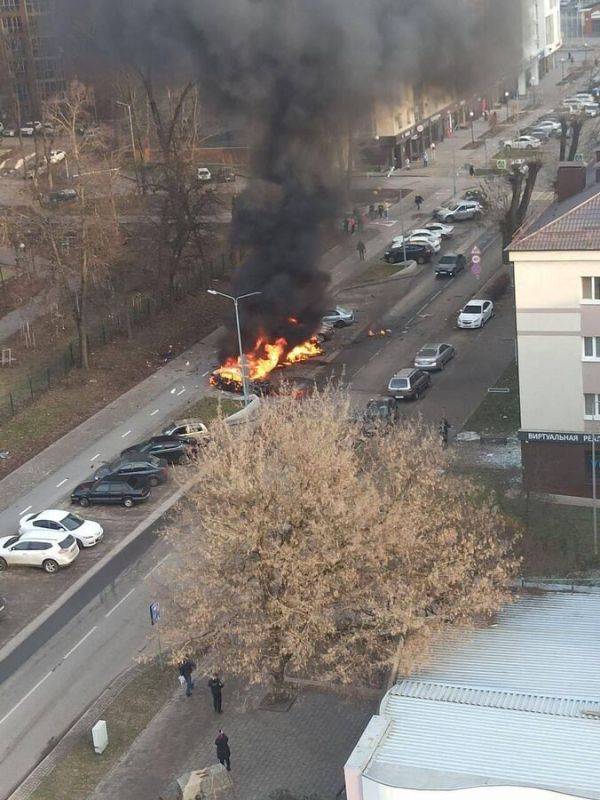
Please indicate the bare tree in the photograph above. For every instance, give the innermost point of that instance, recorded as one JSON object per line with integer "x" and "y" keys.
{"x": 70, "y": 114}
{"x": 308, "y": 547}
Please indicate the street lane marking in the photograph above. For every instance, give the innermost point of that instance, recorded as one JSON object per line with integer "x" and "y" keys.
{"x": 122, "y": 600}
{"x": 152, "y": 413}
{"x": 156, "y": 566}
{"x": 22, "y": 700}
{"x": 64, "y": 480}
{"x": 181, "y": 392}
{"x": 93, "y": 458}
{"x": 24, "y": 510}
{"x": 204, "y": 374}
{"x": 173, "y": 390}
{"x": 123, "y": 435}
{"x": 81, "y": 641}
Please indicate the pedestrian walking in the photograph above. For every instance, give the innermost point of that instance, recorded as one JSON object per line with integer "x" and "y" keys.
{"x": 418, "y": 201}
{"x": 380, "y": 210}
{"x": 433, "y": 151}
{"x": 223, "y": 750}
{"x": 407, "y": 163}
{"x": 386, "y": 210}
{"x": 215, "y": 684}
{"x": 186, "y": 667}
{"x": 472, "y": 170}
{"x": 361, "y": 247}
{"x": 425, "y": 160}
{"x": 371, "y": 211}
{"x": 444, "y": 428}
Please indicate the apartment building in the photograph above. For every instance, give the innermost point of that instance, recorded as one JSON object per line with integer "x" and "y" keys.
{"x": 557, "y": 294}
{"x": 30, "y": 69}
{"x": 542, "y": 38}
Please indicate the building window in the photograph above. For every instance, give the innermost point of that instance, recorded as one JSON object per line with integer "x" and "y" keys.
{"x": 550, "y": 29}
{"x": 592, "y": 406}
{"x": 591, "y": 348}
{"x": 590, "y": 289}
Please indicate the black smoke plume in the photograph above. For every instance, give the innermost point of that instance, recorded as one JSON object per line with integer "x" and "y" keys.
{"x": 300, "y": 74}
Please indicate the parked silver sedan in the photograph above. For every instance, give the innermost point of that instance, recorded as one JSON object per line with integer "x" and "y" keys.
{"x": 434, "y": 356}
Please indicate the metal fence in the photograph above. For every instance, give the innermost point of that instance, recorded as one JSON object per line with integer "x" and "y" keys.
{"x": 141, "y": 310}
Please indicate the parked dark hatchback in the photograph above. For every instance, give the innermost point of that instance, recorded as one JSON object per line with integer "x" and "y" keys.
{"x": 421, "y": 253}
{"x": 109, "y": 492}
{"x": 136, "y": 471}
{"x": 450, "y": 264}
{"x": 171, "y": 448}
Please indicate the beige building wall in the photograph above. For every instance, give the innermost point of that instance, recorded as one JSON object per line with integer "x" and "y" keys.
{"x": 390, "y": 119}
{"x": 552, "y": 319}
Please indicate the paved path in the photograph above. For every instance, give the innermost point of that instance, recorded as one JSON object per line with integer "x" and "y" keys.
{"x": 302, "y": 750}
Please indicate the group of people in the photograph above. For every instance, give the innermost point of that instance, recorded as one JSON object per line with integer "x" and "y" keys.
{"x": 215, "y": 684}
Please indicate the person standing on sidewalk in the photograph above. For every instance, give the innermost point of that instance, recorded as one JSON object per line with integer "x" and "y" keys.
{"x": 185, "y": 671}
{"x": 215, "y": 685}
{"x": 444, "y": 429}
{"x": 362, "y": 249}
{"x": 418, "y": 201}
{"x": 223, "y": 750}
{"x": 425, "y": 160}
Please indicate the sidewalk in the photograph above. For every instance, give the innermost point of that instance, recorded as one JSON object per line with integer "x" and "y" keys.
{"x": 302, "y": 750}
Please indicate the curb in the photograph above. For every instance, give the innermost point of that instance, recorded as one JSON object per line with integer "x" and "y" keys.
{"x": 32, "y": 627}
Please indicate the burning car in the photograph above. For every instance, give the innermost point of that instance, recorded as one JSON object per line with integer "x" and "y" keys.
{"x": 227, "y": 383}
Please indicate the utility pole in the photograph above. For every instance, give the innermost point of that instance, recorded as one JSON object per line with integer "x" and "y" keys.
{"x": 594, "y": 510}
{"x": 128, "y": 107}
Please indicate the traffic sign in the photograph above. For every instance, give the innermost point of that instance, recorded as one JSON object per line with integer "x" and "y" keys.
{"x": 154, "y": 612}
{"x": 476, "y": 261}
{"x": 501, "y": 163}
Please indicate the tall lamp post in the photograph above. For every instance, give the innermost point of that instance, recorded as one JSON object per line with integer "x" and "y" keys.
{"x": 562, "y": 67}
{"x": 594, "y": 510}
{"x": 128, "y": 107}
{"x": 471, "y": 117}
{"x": 506, "y": 97}
{"x": 235, "y": 301}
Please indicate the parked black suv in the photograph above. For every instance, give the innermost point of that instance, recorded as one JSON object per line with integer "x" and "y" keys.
{"x": 409, "y": 384}
{"x": 171, "y": 448}
{"x": 450, "y": 264}
{"x": 136, "y": 471}
{"x": 415, "y": 251}
{"x": 109, "y": 492}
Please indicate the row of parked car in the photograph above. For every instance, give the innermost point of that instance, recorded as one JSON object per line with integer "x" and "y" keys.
{"x": 53, "y": 538}
{"x": 549, "y": 126}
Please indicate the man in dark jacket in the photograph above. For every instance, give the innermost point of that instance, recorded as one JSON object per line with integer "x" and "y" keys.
{"x": 215, "y": 685}
{"x": 223, "y": 751}
{"x": 185, "y": 670}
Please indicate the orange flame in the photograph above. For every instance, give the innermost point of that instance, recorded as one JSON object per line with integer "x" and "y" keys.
{"x": 382, "y": 332}
{"x": 265, "y": 357}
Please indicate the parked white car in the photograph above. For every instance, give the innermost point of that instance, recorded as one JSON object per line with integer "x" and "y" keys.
{"x": 48, "y": 550}
{"x": 27, "y": 130}
{"x": 590, "y": 109}
{"x": 549, "y": 124}
{"x": 475, "y": 314}
{"x": 339, "y": 316}
{"x": 522, "y": 143}
{"x": 445, "y": 231}
{"x": 203, "y": 174}
{"x": 466, "y": 209}
{"x": 56, "y": 156}
{"x": 85, "y": 532}
{"x": 418, "y": 238}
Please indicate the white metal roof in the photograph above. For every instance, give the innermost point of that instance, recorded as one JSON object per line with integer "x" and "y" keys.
{"x": 515, "y": 703}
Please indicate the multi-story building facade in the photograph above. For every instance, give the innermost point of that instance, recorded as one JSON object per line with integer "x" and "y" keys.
{"x": 557, "y": 296}
{"x": 542, "y": 38}
{"x": 30, "y": 69}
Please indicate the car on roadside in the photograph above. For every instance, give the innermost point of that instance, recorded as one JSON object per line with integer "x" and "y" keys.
{"x": 27, "y": 130}
{"x": 203, "y": 174}
{"x": 9, "y": 132}
{"x": 434, "y": 356}
{"x": 173, "y": 449}
{"x": 435, "y": 244}
{"x": 450, "y": 264}
{"x": 339, "y": 316}
{"x": 463, "y": 210}
{"x": 190, "y": 429}
{"x": 421, "y": 252}
{"x": 549, "y": 124}
{"x": 63, "y": 196}
{"x": 409, "y": 384}
{"x": 442, "y": 230}
{"x": 86, "y": 532}
{"x": 109, "y": 492}
{"x": 539, "y": 133}
{"x": 48, "y": 550}
{"x": 521, "y": 143}
{"x": 475, "y": 314}
{"x": 590, "y": 109}
{"x": 143, "y": 470}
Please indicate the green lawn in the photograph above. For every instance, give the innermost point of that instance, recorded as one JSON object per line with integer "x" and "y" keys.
{"x": 80, "y": 771}
{"x": 209, "y": 408}
{"x": 380, "y": 270}
{"x": 498, "y": 414}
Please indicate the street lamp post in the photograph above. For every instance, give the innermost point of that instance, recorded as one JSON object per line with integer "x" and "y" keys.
{"x": 507, "y": 96}
{"x": 128, "y": 107}
{"x": 471, "y": 117}
{"x": 235, "y": 301}
{"x": 562, "y": 67}
{"x": 594, "y": 510}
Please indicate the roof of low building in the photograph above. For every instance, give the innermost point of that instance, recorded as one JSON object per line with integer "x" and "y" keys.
{"x": 515, "y": 703}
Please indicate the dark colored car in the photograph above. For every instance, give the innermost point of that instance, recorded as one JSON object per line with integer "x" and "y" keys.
{"x": 63, "y": 196}
{"x": 111, "y": 492}
{"x": 170, "y": 448}
{"x": 136, "y": 471}
{"x": 409, "y": 384}
{"x": 415, "y": 251}
{"x": 450, "y": 264}
{"x": 258, "y": 387}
